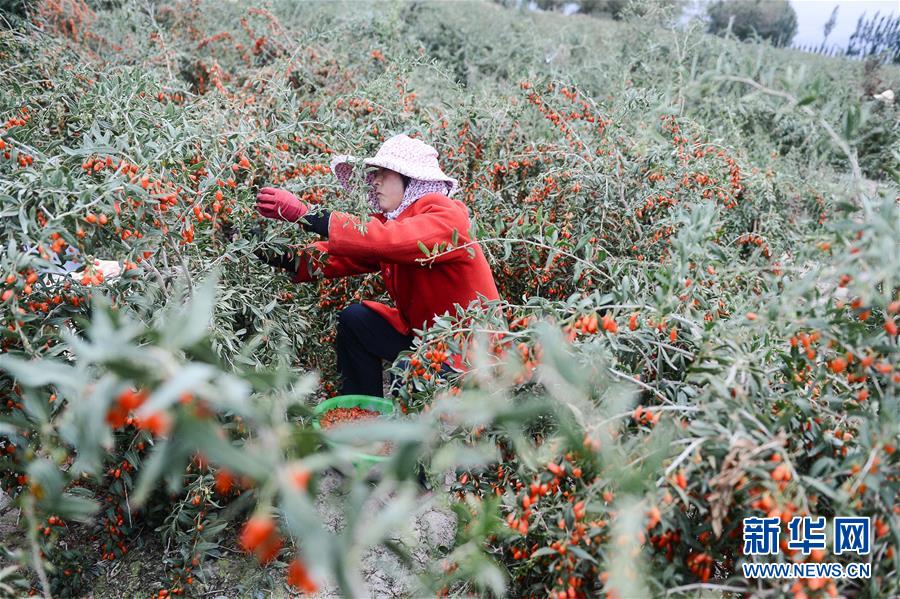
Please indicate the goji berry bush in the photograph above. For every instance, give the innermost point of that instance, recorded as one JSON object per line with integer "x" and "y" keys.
{"x": 694, "y": 240}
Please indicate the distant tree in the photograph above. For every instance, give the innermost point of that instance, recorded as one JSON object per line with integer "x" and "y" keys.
{"x": 823, "y": 48}
{"x": 521, "y": 4}
{"x": 12, "y": 10}
{"x": 610, "y": 8}
{"x": 613, "y": 9}
{"x": 772, "y": 20}
{"x": 619, "y": 9}
{"x": 550, "y": 4}
{"x": 830, "y": 23}
{"x": 876, "y": 37}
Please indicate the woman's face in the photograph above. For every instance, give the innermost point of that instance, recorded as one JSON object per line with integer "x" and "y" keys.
{"x": 389, "y": 186}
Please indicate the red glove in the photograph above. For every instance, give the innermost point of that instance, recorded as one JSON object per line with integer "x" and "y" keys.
{"x": 280, "y": 204}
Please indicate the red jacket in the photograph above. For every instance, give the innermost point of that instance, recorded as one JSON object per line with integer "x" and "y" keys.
{"x": 419, "y": 291}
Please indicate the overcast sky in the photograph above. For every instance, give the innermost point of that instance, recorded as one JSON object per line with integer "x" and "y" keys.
{"x": 812, "y": 14}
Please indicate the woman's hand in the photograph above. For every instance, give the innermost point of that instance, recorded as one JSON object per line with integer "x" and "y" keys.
{"x": 280, "y": 204}
{"x": 109, "y": 268}
{"x": 286, "y": 261}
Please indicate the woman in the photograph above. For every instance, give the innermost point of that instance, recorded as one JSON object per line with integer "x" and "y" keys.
{"x": 409, "y": 196}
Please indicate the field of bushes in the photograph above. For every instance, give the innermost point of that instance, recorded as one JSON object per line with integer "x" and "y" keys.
{"x": 694, "y": 240}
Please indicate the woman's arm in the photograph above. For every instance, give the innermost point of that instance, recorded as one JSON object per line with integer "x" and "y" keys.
{"x": 317, "y": 223}
{"x": 399, "y": 241}
{"x": 319, "y": 260}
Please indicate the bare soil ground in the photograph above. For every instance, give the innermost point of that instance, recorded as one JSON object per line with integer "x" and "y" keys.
{"x": 234, "y": 575}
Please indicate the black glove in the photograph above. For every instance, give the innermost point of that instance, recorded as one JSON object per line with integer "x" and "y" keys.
{"x": 318, "y": 223}
{"x": 227, "y": 229}
{"x": 256, "y": 232}
{"x": 286, "y": 261}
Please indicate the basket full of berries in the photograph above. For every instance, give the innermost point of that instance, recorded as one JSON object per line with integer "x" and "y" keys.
{"x": 345, "y": 409}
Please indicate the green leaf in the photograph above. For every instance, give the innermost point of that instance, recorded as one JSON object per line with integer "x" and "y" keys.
{"x": 73, "y": 507}
{"x": 851, "y": 122}
{"x": 550, "y": 256}
{"x": 204, "y": 437}
{"x": 187, "y": 379}
{"x": 46, "y": 475}
{"x": 383, "y": 430}
{"x": 36, "y": 373}
{"x": 834, "y": 494}
{"x": 153, "y": 469}
{"x": 423, "y": 247}
{"x": 578, "y": 269}
{"x": 543, "y": 551}
{"x": 190, "y": 326}
{"x": 582, "y": 553}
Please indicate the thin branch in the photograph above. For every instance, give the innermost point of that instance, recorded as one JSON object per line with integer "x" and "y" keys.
{"x": 151, "y": 12}
{"x": 28, "y": 508}
{"x": 185, "y": 271}
{"x": 586, "y": 263}
{"x": 681, "y": 457}
{"x": 641, "y": 384}
{"x": 841, "y": 143}
{"x": 159, "y": 277}
{"x": 864, "y": 472}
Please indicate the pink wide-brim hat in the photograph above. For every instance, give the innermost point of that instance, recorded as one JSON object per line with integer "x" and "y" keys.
{"x": 401, "y": 153}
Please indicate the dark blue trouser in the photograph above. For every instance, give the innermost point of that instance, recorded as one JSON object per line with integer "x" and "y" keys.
{"x": 364, "y": 338}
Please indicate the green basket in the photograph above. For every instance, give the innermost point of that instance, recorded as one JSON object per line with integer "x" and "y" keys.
{"x": 362, "y": 461}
